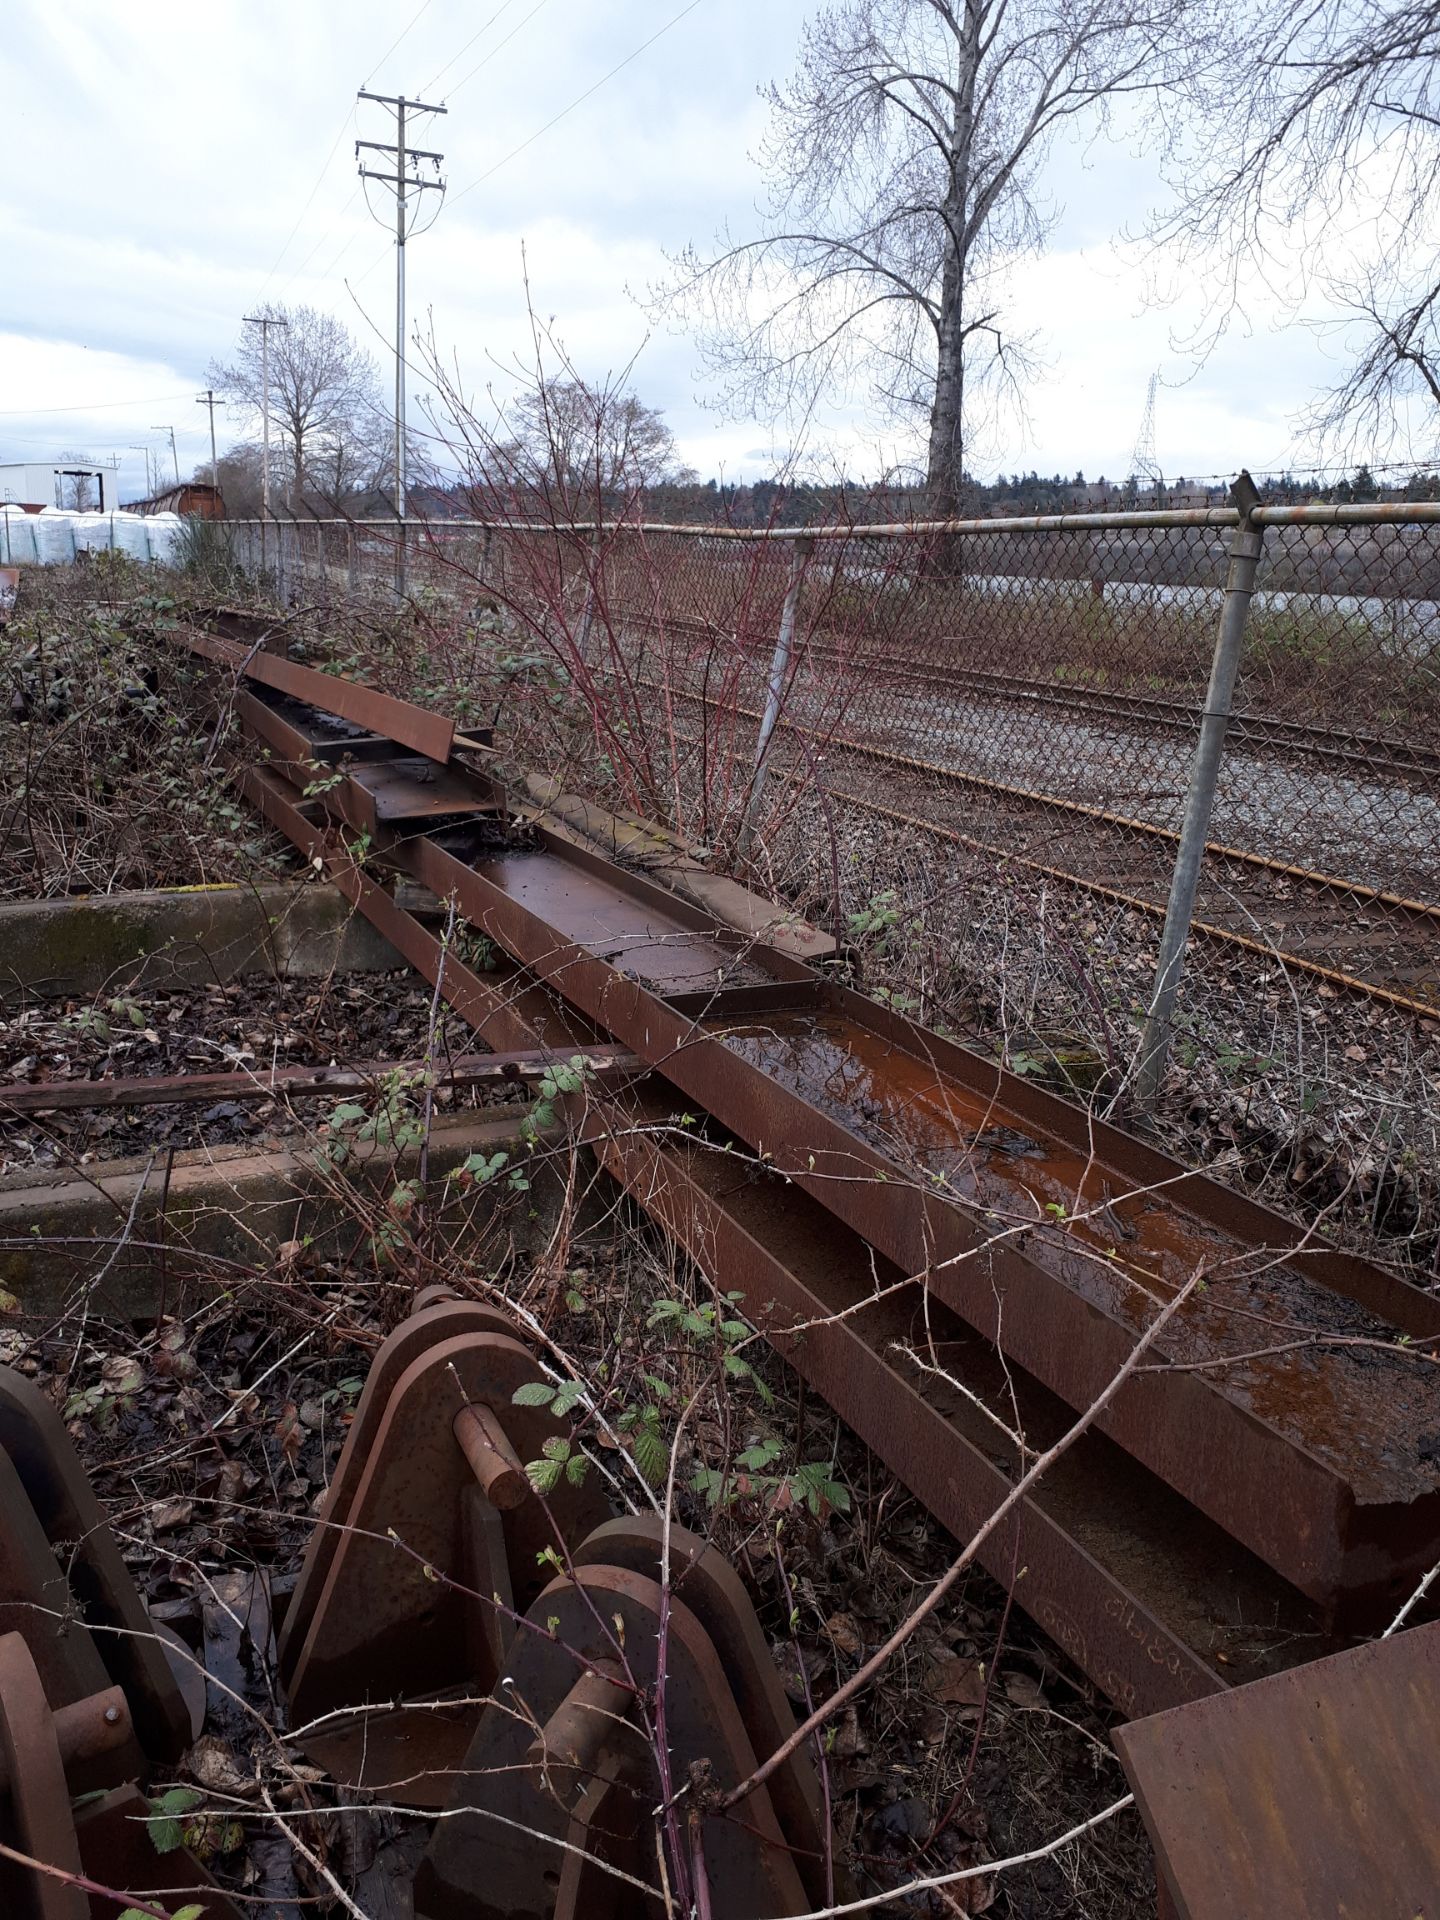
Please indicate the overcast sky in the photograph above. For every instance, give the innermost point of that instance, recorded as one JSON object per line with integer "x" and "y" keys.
{"x": 170, "y": 165}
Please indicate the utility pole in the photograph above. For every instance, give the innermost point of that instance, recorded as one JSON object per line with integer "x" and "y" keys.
{"x": 401, "y": 183}
{"x": 173, "y": 454}
{"x": 136, "y": 447}
{"x": 264, "y": 321}
{"x": 207, "y": 399}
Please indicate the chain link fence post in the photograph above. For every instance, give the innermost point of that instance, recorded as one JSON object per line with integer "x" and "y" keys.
{"x": 1245, "y": 546}
{"x": 774, "y": 690}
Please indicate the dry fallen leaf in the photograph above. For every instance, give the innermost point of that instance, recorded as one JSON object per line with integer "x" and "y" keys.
{"x": 290, "y": 1433}
{"x": 843, "y": 1636}
{"x": 1356, "y": 1053}
{"x": 166, "y": 1515}
{"x": 216, "y": 1768}
{"x": 850, "y": 1742}
{"x": 1024, "y": 1689}
{"x": 958, "y": 1683}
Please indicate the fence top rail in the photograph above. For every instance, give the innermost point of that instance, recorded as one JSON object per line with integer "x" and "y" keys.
{"x": 1317, "y": 514}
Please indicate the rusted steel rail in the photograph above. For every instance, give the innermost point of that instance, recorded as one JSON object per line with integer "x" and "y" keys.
{"x": 1277, "y": 1438}
{"x": 1375, "y": 754}
{"x": 296, "y": 1083}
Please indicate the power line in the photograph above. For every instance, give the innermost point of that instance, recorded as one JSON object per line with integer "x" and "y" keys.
{"x": 345, "y": 126}
{"x": 579, "y": 101}
{"x": 498, "y": 48}
{"x": 414, "y": 19}
{"x": 504, "y": 7}
{"x": 326, "y": 165}
{"x": 405, "y": 180}
{"x": 27, "y": 413}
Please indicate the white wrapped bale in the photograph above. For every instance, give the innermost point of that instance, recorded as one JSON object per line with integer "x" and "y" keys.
{"x": 17, "y": 538}
{"x": 54, "y": 537}
{"x": 165, "y": 532}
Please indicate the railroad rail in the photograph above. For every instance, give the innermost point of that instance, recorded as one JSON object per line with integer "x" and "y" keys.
{"x": 1400, "y": 956}
{"x": 1378, "y": 755}
{"x": 877, "y": 1148}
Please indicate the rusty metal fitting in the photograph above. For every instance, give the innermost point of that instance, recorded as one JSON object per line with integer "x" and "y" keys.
{"x": 495, "y": 1464}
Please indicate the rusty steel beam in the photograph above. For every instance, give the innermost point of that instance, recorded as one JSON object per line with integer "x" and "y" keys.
{"x": 503, "y": 1007}
{"x": 782, "y": 1248}
{"x": 977, "y": 1183}
{"x": 891, "y": 1127}
{"x": 296, "y": 1083}
{"x": 415, "y": 727}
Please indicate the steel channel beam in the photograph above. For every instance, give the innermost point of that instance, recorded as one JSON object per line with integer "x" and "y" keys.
{"x": 1258, "y": 1481}
{"x": 818, "y": 1276}
{"x": 1196, "y": 1430}
{"x": 1122, "y": 1642}
{"x": 506, "y": 1009}
{"x": 415, "y": 727}
{"x": 1258, "y": 1478}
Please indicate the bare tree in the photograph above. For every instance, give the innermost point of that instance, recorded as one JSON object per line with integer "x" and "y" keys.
{"x": 902, "y": 159}
{"x": 237, "y": 473}
{"x": 1326, "y": 122}
{"x": 580, "y": 438}
{"x": 325, "y": 399}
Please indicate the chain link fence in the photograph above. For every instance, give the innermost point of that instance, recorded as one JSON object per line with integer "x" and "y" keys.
{"x": 1035, "y": 690}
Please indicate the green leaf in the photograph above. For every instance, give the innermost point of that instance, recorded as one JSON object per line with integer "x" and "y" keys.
{"x": 576, "y": 1468}
{"x": 543, "y": 1474}
{"x": 556, "y": 1448}
{"x": 166, "y": 1825}
{"x": 568, "y": 1396}
{"x": 652, "y": 1456}
{"x": 534, "y": 1393}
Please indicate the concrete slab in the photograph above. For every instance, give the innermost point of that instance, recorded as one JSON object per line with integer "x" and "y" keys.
{"x": 183, "y": 936}
{"x": 64, "y": 1233}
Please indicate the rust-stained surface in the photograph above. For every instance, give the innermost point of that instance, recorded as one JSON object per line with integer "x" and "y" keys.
{"x": 858, "y": 1110}
{"x": 382, "y": 1626}
{"x": 1306, "y": 1460}
{"x": 1149, "y": 1598}
{"x": 365, "y": 707}
{"x": 1309, "y": 1794}
{"x": 520, "y": 1068}
{"x": 712, "y": 1590}
{"x": 425, "y": 1327}
{"x": 34, "y": 1442}
{"x": 116, "y": 1850}
{"x": 478, "y": 1868}
{"x": 37, "y": 1805}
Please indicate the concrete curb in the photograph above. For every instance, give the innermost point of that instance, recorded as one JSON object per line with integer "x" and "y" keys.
{"x": 186, "y": 936}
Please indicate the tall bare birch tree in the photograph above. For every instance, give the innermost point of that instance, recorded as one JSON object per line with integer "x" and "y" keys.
{"x": 902, "y": 161}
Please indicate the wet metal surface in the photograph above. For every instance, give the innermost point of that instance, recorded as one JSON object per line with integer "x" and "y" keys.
{"x": 1151, "y": 1599}
{"x": 992, "y": 1188}
{"x": 643, "y": 942}
{"x": 1311, "y": 1793}
{"x": 1315, "y": 1454}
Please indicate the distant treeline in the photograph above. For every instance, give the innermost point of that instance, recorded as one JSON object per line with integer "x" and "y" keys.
{"x": 774, "y": 503}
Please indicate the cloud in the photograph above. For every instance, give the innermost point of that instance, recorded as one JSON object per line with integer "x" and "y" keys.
{"x": 187, "y": 162}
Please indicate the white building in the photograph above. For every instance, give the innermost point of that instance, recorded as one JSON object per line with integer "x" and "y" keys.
{"x": 60, "y": 483}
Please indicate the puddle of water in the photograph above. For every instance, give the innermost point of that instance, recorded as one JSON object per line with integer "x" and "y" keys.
{"x": 1364, "y": 1411}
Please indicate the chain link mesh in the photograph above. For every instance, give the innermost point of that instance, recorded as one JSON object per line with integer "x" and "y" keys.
{"x": 1036, "y": 691}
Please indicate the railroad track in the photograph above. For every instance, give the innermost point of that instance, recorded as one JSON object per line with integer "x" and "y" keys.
{"x": 1360, "y": 938}
{"x": 885, "y": 1163}
{"x": 1379, "y": 756}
